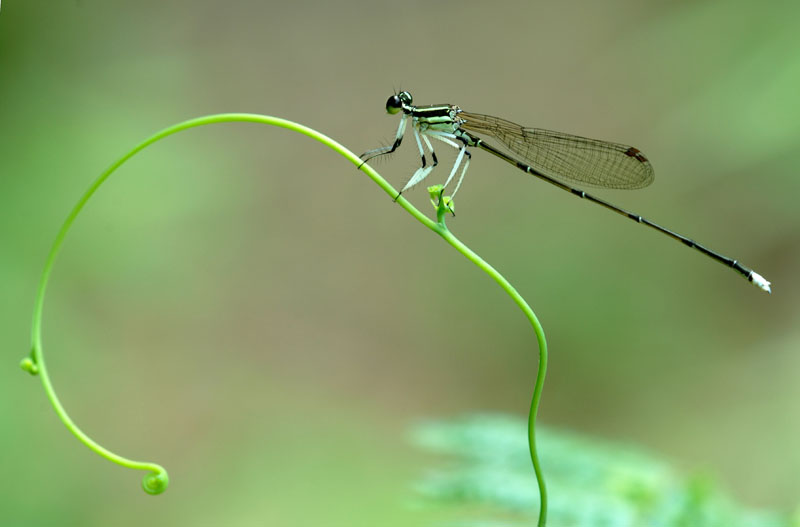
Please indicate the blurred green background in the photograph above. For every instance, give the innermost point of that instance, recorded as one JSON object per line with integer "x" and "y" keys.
{"x": 241, "y": 305}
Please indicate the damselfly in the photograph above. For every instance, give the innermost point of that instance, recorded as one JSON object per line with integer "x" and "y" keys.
{"x": 558, "y": 158}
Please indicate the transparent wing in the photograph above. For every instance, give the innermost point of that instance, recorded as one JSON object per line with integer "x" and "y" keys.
{"x": 567, "y": 157}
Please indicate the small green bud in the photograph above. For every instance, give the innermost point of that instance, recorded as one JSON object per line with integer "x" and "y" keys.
{"x": 438, "y": 200}
{"x": 28, "y": 365}
{"x": 435, "y": 192}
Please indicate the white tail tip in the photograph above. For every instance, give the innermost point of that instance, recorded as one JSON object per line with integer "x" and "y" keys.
{"x": 760, "y": 281}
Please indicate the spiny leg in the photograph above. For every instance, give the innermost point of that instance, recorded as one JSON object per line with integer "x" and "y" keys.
{"x": 463, "y": 171}
{"x": 414, "y": 129}
{"x": 459, "y": 158}
{"x": 425, "y": 169}
{"x": 445, "y": 138}
{"x": 430, "y": 147}
{"x": 423, "y": 172}
{"x": 369, "y": 154}
{"x": 441, "y": 136}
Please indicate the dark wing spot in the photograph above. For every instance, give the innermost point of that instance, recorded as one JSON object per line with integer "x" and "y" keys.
{"x": 636, "y": 154}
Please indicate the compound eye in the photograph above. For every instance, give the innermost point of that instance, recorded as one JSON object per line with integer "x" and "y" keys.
{"x": 394, "y": 104}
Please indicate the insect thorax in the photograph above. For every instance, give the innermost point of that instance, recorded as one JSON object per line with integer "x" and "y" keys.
{"x": 443, "y": 118}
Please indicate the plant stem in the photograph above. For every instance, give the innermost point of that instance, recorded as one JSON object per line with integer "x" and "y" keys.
{"x": 157, "y": 480}
{"x": 444, "y": 232}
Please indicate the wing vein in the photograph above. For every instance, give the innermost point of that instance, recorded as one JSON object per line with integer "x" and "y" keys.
{"x": 566, "y": 157}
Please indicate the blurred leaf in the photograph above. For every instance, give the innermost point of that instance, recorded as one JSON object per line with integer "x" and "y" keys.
{"x": 590, "y": 483}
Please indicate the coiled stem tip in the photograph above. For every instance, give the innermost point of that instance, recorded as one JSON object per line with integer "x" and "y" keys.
{"x": 155, "y": 482}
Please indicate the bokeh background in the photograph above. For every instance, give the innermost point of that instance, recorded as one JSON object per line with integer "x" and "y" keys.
{"x": 241, "y": 305}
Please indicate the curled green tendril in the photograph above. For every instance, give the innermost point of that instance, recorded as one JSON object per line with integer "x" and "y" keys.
{"x": 157, "y": 480}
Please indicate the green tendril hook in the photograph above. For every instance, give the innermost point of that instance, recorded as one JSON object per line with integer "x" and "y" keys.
{"x": 157, "y": 480}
